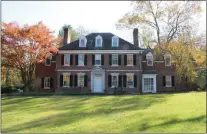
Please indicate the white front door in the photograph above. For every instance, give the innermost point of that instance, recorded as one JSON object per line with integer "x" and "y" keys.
{"x": 98, "y": 81}
{"x": 149, "y": 83}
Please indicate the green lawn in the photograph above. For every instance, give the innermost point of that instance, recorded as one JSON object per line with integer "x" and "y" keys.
{"x": 179, "y": 112}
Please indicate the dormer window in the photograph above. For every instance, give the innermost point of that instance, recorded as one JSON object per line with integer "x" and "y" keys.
{"x": 115, "y": 41}
{"x": 167, "y": 58}
{"x": 48, "y": 61}
{"x": 149, "y": 58}
{"x": 82, "y": 42}
{"x": 99, "y": 41}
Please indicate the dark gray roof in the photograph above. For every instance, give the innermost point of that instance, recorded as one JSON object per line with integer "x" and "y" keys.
{"x": 107, "y": 37}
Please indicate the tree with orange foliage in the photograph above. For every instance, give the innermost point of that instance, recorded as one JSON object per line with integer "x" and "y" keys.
{"x": 23, "y": 47}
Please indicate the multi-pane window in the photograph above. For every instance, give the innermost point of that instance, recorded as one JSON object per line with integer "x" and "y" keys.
{"x": 168, "y": 81}
{"x": 149, "y": 61}
{"x": 47, "y": 82}
{"x": 130, "y": 81}
{"x": 81, "y": 59}
{"x": 66, "y": 80}
{"x": 98, "y": 41}
{"x": 130, "y": 59}
{"x": 81, "y": 80}
{"x": 114, "y": 59}
{"x": 82, "y": 42}
{"x": 114, "y": 42}
{"x": 67, "y": 59}
{"x": 167, "y": 61}
{"x": 148, "y": 84}
{"x": 98, "y": 59}
{"x": 114, "y": 80}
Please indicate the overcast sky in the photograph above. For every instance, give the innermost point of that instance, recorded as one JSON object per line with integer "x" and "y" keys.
{"x": 100, "y": 16}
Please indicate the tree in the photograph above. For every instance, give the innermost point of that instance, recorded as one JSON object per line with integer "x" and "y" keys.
{"x": 167, "y": 18}
{"x": 23, "y": 47}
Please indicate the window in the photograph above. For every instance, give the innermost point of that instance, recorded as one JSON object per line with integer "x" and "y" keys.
{"x": 130, "y": 59}
{"x": 167, "y": 60}
{"x": 149, "y": 58}
{"x": 47, "y": 83}
{"x": 115, "y": 41}
{"x": 81, "y": 59}
{"x": 148, "y": 84}
{"x": 114, "y": 80}
{"x": 98, "y": 41}
{"x": 66, "y": 59}
{"x": 168, "y": 81}
{"x": 114, "y": 59}
{"x": 82, "y": 42}
{"x": 66, "y": 80}
{"x": 80, "y": 80}
{"x": 98, "y": 59}
{"x": 48, "y": 60}
{"x": 130, "y": 80}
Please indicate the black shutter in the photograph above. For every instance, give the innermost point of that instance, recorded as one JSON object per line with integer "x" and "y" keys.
{"x": 61, "y": 80}
{"x": 71, "y": 59}
{"x": 135, "y": 81}
{"x": 119, "y": 59}
{"x": 93, "y": 59}
{"x": 85, "y": 81}
{"x": 110, "y": 59}
{"x": 163, "y": 81}
{"x": 102, "y": 59}
{"x": 109, "y": 80}
{"x": 173, "y": 80}
{"x": 62, "y": 59}
{"x": 51, "y": 82}
{"x": 120, "y": 81}
{"x": 76, "y": 59}
{"x": 124, "y": 81}
{"x": 85, "y": 60}
{"x": 42, "y": 82}
{"x": 134, "y": 59}
{"x": 75, "y": 81}
{"x": 125, "y": 59}
{"x": 71, "y": 80}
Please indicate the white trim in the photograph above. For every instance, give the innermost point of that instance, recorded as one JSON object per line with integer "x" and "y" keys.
{"x": 112, "y": 60}
{"x": 85, "y": 41}
{"x": 114, "y": 73}
{"x": 115, "y": 37}
{"x": 96, "y": 57}
{"x": 49, "y": 83}
{"x": 53, "y": 61}
{"x": 99, "y": 37}
{"x": 83, "y": 59}
{"x": 65, "y": 55}
{"x": 170, "y": 81}
{"x": 92, "y": 80}
{"x": 154, "y": 82}
{"x": 80, "y": 73}
{"x": 117, "y": 76}
{"x": 169, "y": 56}
{"x": 100, "y": 51}
{"x": 132, "y": 60}
{"x": 67, "y": 74}
{"x": 130, "y": 74}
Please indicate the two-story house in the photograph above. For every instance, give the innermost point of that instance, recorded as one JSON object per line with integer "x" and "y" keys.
{"x": 99, "y": 62}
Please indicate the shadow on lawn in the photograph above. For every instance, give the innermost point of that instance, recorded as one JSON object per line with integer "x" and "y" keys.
{"x": 77, "y": 108}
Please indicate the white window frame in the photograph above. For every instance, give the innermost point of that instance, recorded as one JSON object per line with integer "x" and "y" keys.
{"x": 165, "y": 57}
{"x": 79, "y": 55}
{"x": 130, "y": 74}
{"x": 79, "y": 75}
{"x": 85, "y": 41}
{"x": 132, "y": 59}
{"x": 115, "y": 37}
{"x": 170, "y": 85}
{"x": 117, "y": 75}
{"x": 149, "y": 57}
{"x": 50, "y": 58}
{"x": 68, "y": 74}
{"x": 96, "y": 58}
{"x": 99, "y": 37}
{"x": 112, "y": 59}
{"x": 46, "y": 80}
{"x": 68, "y": 56}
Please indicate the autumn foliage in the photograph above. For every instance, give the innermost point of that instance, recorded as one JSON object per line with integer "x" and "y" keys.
{"x": 23, "y": 47}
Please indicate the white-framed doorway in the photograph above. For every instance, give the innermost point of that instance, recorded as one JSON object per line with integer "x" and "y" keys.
{"x": 97, "y": 80}
{"x": 149, "y": 83}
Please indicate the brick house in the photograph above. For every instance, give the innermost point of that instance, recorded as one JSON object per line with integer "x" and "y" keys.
{"x": 100, "y": 62}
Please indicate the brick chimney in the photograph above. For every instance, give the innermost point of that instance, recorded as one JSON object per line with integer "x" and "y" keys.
{"x": 66, "y": 38}
{"x": 135, "y": 37}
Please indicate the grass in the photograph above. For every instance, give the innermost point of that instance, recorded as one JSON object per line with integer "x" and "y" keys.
{"x": 179, "y": 112}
